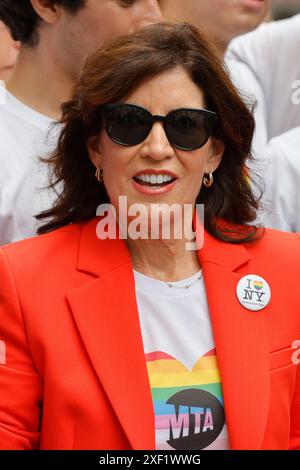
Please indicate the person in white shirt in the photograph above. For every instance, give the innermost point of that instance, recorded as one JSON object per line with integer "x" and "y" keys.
{"x": 56, "y": 38}
{"x": 267, "y": 62}
{"x": 264, "y": 66}
{"x": 220, "y": 20}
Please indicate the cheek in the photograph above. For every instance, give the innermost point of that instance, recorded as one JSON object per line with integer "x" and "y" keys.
{"x": 108, "y": 25}
{"x": 119, "y": 28}
{"x": 13, "y": 53}
{"x": 81, "y": 37}
{"x": 195, "y": 182}
{"x": 6, "y": 49}
{"x": 194, "y": 162}
{"x": 115, "y": 161}
{"x": 3, "y": 54}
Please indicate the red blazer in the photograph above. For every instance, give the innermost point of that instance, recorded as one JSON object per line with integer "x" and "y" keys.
{"x": 75, "y": 373}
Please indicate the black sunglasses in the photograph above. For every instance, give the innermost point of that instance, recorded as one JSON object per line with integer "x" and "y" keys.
{"x": 185, "y": 128}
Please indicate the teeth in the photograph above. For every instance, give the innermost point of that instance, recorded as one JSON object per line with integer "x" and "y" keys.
{"x": 155, "y": 179}
{"x": 167, "y": 178}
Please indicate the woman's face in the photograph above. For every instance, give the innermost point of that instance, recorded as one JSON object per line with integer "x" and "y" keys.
{"x": 166, "y": 92}
{"x": 8, "y": 52}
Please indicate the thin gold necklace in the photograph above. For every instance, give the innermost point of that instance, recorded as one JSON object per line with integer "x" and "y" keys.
{"x": 185, "y": 286}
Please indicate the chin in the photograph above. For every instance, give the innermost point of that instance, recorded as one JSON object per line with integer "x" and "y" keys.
{"x": 248, "y": 25}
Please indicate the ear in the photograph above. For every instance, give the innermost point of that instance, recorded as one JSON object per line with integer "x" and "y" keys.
{"x": 94, "y": 151}
{"x": 215, "y": 156}
{"x": 47, "y": 11}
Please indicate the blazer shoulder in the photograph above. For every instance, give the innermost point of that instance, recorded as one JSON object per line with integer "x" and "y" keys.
{"x": 289, "y": 239}
{"x": 39, "y": 251}
{"x": 277, "y": 244}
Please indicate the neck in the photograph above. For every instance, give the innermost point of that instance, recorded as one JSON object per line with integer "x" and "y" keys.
{"x": 220, "y": 44}
{"x": 221, "y": 48}
{"x": 166, "y": 260}
{"x": 39, "y": 82}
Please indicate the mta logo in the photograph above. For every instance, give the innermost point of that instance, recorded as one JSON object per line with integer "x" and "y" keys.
{"x": 196, "y": 420}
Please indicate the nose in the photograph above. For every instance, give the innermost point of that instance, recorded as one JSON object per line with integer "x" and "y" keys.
{"x": 156, "y": 146}
{"x": 152, "y": 14}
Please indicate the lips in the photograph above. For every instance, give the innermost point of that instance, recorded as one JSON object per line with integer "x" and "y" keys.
{"x": 154, "y": 181}
{"x": 253, "y": 5}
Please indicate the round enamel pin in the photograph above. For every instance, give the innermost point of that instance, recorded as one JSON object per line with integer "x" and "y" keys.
{"x": 253, "y": 292}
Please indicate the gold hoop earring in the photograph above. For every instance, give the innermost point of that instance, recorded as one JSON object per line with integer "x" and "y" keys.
{"x": 99, "y": 175}
{"x": 208, "y": 182}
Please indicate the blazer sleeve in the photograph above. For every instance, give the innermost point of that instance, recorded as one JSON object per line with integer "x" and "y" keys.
{"x": 20, "y": 384}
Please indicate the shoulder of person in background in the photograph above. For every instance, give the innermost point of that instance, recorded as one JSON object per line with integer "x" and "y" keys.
{"x": 266, "y": 42}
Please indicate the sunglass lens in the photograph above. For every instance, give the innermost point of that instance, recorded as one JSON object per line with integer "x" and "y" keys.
{"x": 188, "y": 129}
{"x": 127, "y": 124}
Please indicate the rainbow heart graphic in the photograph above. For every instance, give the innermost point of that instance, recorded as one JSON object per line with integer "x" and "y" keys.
{"x": 258, "y": 285}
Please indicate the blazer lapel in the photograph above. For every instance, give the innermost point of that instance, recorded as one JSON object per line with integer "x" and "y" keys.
{"x": 106, "y": 315}
{"x": 241, "y": 344}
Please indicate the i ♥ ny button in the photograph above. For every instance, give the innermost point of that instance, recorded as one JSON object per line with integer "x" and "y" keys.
{"x": 253, "y": 292}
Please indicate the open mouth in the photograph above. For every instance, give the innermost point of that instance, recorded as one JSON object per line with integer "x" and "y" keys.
{"x": 154, "y": 181}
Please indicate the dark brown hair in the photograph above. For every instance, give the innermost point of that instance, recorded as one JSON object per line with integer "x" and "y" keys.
{"x": 109, "y": 76}
{"x": 23, "y": 21}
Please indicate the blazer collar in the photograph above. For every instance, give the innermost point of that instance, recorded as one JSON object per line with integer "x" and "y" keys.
{"x": 106, "y": 307}
{"x": 96, "y": 259}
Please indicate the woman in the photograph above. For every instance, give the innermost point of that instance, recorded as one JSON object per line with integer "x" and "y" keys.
{"x": 134, "y": 340}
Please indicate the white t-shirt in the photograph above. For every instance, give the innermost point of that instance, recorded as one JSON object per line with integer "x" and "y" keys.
{"x": 265, "y": 63}
{"x": 283, "y": 182}
{"x": 25, "y": 135}
{"x": 182, "y": 364}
